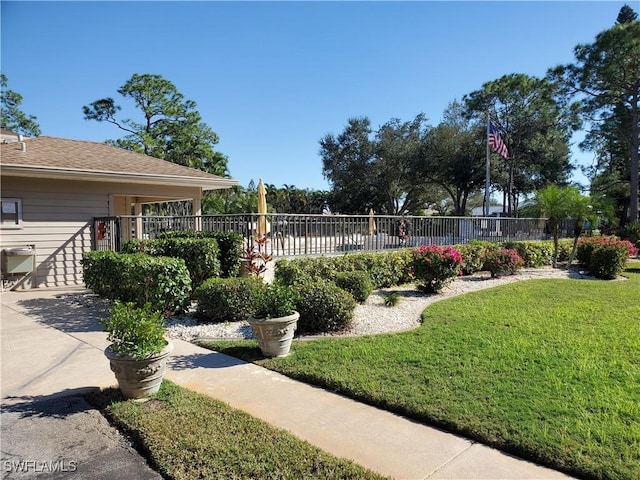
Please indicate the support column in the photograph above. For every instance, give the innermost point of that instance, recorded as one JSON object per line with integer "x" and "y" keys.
{"x": 196, "y": 208}
{"x": 137, "y": 210}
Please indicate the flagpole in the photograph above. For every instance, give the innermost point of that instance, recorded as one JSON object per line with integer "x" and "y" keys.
{"x": 487, "y": 181}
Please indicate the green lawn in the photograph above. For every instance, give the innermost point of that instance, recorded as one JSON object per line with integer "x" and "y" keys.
{"x": 187, "y": 435}
{"x": 545, "y": 369}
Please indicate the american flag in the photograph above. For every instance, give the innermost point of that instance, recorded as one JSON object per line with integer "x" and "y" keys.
{"x": 495, "y": 142}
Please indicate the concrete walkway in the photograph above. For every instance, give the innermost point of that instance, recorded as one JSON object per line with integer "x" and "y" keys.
{"x": 52, "y": 349}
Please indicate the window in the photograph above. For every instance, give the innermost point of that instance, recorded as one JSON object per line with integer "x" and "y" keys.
{"x": 10, "y": 213}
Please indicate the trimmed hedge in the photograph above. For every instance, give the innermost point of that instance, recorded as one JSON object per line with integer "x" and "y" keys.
{"x": 358, "y": 284}
{"x": 227, "y": 299}
{"x": 608, "y": 261}
{"x": 164, "y": 282}
{"x": 323, "y": 306}
{"x": 534, "y": 254}
{"x": 229, "y": 245}
{"x": 385, "y": 269}
{"x": 473, "y": 254}
{"x": 201, "y": 255}
{"x": 289, "y": 272}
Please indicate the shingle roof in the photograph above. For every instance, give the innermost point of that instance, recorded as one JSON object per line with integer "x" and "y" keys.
{"x": 92, "y": 160}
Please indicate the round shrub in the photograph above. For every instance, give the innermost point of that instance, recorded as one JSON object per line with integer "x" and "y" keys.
{"x": 608, "y": 261}
{"x": 289, "y": 273}
{"x": 586, "y": 247}
{"x": 435, "y": 266}
{"x": 503, "y": 261}
{"x": 358, "y": 284}
{"x": 227, "y": 299}
{"x": 323, "y": 307}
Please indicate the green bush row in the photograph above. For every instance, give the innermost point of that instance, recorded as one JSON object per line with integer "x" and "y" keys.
{"x": 384, "y": 269}
{"x": 229, "y": 244}
{"x": 201, "y": 255}
{"x": 227, "y": 299}
{"x": 323, "y": 306}
{"x": 164, "y": 282}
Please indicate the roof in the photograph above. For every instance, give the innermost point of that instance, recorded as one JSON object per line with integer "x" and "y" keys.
{"x": 51, "y": 157}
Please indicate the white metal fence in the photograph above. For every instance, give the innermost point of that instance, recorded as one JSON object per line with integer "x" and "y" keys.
{"x": 298, "y": 235}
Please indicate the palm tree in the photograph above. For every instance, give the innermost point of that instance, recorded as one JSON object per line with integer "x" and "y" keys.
{"x": 580, "y": 210}
{"x": 562, "y": 203}
{"x": 551, "y": 203}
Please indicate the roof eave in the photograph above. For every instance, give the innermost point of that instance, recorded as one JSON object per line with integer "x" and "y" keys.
{"x": 115, "y": 177}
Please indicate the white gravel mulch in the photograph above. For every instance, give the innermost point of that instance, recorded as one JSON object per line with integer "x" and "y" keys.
{"x": 373, "y": 317}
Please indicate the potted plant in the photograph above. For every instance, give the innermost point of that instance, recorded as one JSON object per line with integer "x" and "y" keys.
{"x": 275, "y": 319}
{"x": 139, "y": 350}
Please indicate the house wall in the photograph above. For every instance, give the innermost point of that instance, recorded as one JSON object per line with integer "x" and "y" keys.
{"x": 57, "y": 216}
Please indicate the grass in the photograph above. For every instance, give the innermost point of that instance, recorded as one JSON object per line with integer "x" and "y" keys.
{"x": 188, "y": 435}
{"x": 545, "y": 369}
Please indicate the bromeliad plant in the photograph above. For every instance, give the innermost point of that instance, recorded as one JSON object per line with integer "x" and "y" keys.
{"x": 504, "y": 261}
{"x": 435, "y": 266}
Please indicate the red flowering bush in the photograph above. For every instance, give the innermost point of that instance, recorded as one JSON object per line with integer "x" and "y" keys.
{"x": 504, "y": 261}
{"x": 605, "y": 257}
{"x": 587, "y": 245}
{"x": 435, "y": 266}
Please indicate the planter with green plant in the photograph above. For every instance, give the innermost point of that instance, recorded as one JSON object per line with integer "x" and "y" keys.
{"x": 275, "y": 319}
{"x": 139, "y": 350}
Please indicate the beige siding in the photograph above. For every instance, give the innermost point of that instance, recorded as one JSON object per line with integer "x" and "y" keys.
{"x": 57, "y": 217}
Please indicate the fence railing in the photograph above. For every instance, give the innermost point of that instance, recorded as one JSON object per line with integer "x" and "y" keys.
{"x": 298, "y": 235}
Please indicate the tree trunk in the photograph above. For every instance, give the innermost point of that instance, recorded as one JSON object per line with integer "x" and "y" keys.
{"x": 635, "y": 140}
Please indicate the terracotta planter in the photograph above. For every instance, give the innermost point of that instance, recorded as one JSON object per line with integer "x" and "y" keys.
{"x": 275, "y": 334}
{"x": 139, "y": 378}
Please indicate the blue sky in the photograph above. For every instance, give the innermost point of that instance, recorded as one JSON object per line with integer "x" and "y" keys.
{"x": 272, "y": 78}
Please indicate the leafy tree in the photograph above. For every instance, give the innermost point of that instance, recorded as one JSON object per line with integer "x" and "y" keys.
{"x": 537, "y": 125}
{"x": 378, "y": 170}
{"x": 626, "y": 15}
{"x": 606, "y": 78}
{"x": 398, "y": 187}
{"x": 171, "y": 128}
{"x": 453, "y": 157}
{"x": 11, "y": 116}
{"x": 290, "y": 199}
{"x": 348, "y": 163}
{"x": 287, "y": 199}
{"x": 234, "y": 200}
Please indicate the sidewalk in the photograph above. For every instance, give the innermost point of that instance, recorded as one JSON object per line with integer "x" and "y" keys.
{"x": 51, "y": 348}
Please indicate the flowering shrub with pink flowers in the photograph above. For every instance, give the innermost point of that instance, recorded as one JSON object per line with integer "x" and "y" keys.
{"x": 435, "y": 266}
{"x": 605, "y": 257}
{"x": 504, "y": 261}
